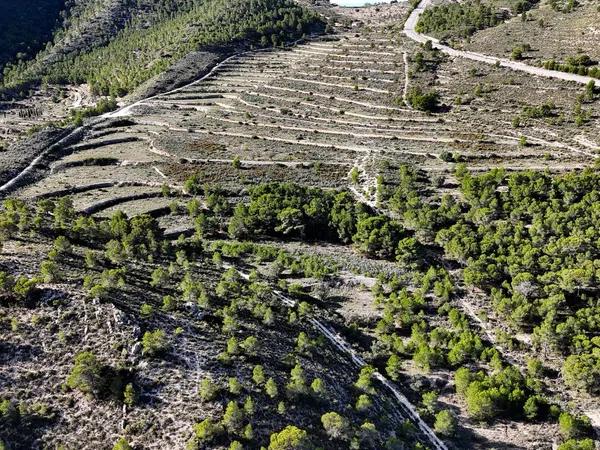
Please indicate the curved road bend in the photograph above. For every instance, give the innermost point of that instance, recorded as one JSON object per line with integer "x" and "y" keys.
{"x": 410, "y": 31}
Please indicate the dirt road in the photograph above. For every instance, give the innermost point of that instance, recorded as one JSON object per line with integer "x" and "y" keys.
{"x": 410, "y": 31}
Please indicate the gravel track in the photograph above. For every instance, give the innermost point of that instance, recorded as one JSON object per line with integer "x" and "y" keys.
{"x": 410, "y": 31}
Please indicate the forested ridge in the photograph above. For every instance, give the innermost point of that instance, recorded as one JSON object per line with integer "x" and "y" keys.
{"x": 529, "y": 240}
{"x": 169, "y": 30}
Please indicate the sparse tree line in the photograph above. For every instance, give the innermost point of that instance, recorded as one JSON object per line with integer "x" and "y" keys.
{"x": 565, "y": 6}
{"x": 581, "y": 65}
{"x": 548, "y": 111}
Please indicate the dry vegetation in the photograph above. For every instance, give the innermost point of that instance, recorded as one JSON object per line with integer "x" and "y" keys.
{"x": 333, "y": 112}
{"x": 551, "y": 34}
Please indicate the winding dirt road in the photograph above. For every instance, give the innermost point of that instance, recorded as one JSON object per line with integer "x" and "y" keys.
{"x": 411, "y": 32}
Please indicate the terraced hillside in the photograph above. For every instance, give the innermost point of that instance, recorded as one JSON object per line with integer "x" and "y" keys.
{"x": 312, "y": 113}
{"x": 309, "y": 246}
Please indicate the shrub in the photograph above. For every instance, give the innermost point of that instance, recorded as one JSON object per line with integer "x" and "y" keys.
{"x": 297, "y": 383}
{"x": 233, "y": 417}
{"x": 582, "y": 372}
{"x": 154, "y": 343}
{"x": 363, "y": 402}
{"x": 86, "y": 374}
{"x": 445, "y": 423}
{"x": 271, "y": 388}
{"x": 236, "y": 445}
{"x": 9, "y": 414}
{"x": 207, "y": 390}
{"x": 206, "y": 430}
{"x": 50, "y": 271}
{"x": 235, "y": 387}
{"x": 335, "y": 425}
{"x": 318, "y": 387}
{"x": 130, "y": 397}
{"x": 290, "y": 438}
{"x": 122, "y": 444}
{"x": 573, "y": 444}
{"x": 423, "y": 101}
{"x": 258, "y": 375}
{"x": 573, "y": 426}
{"x": 517, "y": 53}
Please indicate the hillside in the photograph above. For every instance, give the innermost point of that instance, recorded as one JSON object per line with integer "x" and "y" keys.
{"x": 165, "y": 345}
{"x": 549, "y": 34}
{"x": 114, "y": 46}
{"x": 25, "y": 28}
{"x": 359, "y": 239}
{"x": 556, "y": 34}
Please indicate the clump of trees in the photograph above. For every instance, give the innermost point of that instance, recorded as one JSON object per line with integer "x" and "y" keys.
{"x": 580, "y": 64}
{"x": 97, "y": 380}
{"x": 286, "y": 209}
{"x": 458, "y": 19}
{"x": 155, "y": 343}
{"x": 503, "y": 393}
{"x": 423, "y": 101}
{"x": 289, "y": 210}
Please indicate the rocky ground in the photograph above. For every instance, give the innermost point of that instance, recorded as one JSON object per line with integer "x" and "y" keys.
{"x": 308, "y": 114}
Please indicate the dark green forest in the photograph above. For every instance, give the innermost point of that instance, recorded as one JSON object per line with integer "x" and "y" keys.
{"x": 464, "y": 19}
{"x": 26, "y": 26}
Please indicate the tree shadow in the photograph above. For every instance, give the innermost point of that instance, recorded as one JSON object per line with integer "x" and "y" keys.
{"x": 14, "y": 353}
